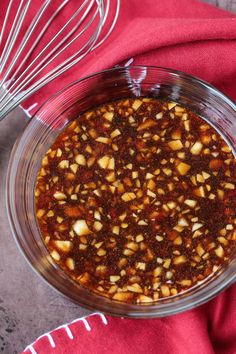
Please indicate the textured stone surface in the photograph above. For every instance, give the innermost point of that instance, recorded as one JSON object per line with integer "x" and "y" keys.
{"x": 28, "y": 306}
{"x": 229, "y": 5}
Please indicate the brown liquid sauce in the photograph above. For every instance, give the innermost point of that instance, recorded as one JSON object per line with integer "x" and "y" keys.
{"x": 135, "y": 200}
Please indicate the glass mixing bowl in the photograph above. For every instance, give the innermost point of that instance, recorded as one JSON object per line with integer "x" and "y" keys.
{"x": 43, "y": 129}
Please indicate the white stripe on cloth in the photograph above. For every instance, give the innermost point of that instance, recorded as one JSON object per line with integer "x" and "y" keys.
{"x": 83, "y": 319}
{"x": 27, "y": 110}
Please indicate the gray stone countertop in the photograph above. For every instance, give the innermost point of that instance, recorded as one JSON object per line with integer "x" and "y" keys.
{"x": 28, "y": 306}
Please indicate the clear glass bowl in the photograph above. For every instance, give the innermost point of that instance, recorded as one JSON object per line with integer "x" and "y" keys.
{"x": 43, "y": 129}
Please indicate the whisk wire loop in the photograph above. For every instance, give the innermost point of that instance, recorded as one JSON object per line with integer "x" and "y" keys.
{"x": 26, "y": 66}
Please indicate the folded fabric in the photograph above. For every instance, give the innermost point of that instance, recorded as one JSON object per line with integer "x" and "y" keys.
{"x": 187, "y": 35}
{"x": 200, "y": 40}
{"x": 208, "y": 329}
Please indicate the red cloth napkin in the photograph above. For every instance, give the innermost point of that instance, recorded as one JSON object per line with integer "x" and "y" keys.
{"x": 187, "y": 35}
{"x": 208, "y": 329}
{"x": 200, "y": 40}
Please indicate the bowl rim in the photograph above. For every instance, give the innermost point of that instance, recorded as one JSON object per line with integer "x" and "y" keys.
{"x": 150, "y": 67}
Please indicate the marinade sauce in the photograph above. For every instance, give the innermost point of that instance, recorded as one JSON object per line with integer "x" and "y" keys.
{"x": 135, "y": 200}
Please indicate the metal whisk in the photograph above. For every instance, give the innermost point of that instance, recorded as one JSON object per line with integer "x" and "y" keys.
{"x": 32, "y": 54}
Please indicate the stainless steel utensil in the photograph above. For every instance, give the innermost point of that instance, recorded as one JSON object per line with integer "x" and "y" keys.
{"x": 25, "y": 65}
